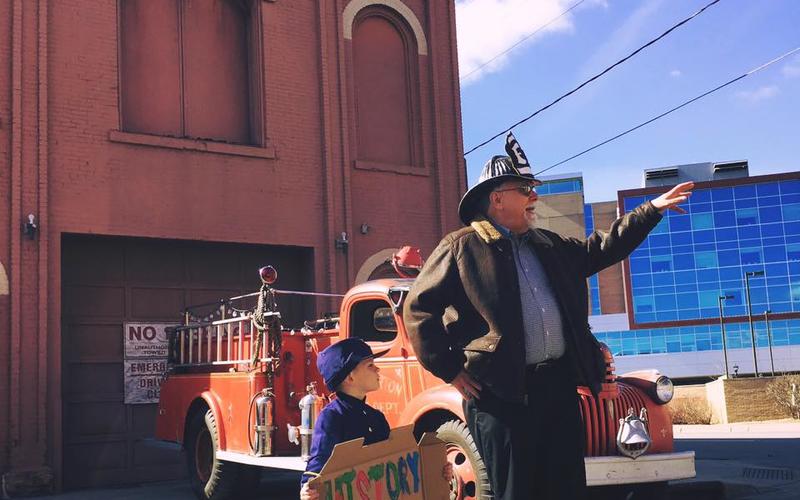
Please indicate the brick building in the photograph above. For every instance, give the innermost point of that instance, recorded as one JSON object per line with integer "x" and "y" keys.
{"x": 167, "y": 149}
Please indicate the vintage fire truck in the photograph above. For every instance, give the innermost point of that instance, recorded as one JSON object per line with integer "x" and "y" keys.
{"x": 242, "y": 392}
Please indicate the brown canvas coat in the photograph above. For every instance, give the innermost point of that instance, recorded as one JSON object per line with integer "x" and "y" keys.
{"x": 464, "y": 309}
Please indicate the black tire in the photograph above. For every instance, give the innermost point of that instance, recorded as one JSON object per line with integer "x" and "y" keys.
{"x": 211, "y": 478}
{"x": 470, "y": 478}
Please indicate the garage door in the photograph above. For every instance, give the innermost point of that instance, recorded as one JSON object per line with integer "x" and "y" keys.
{"x": 109, "y": 281}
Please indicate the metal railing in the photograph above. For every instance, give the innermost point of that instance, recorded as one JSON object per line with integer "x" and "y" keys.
{"x": 229, "y": 341}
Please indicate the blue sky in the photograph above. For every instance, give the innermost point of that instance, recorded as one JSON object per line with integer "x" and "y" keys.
{"x": 757, "y": 118}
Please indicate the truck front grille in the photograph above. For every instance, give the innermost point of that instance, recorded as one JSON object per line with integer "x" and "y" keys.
{"x": 601, "y": 418}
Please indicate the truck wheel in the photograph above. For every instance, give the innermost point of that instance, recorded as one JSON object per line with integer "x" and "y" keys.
{"x": 470, "y": 479}
{"x": 211, "y": 478}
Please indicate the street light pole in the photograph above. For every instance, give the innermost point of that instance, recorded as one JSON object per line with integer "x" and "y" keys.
{"x": 722, "y": 328}
{"x": 747, "y": 276}
{"x": 769, "y": 340}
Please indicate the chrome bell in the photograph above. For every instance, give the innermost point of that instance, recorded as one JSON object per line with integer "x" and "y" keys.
{"x": 633, "y": 438}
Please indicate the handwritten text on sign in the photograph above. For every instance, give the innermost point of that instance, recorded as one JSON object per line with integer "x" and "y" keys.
{"x": 390, "y": 480}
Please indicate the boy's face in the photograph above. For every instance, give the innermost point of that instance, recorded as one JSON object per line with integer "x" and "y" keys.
{"x": 365, "y": 377}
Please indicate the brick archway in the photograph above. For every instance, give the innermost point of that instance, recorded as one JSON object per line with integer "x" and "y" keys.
{"x": 355, "y": 6}
{"x": 372, "y": 263}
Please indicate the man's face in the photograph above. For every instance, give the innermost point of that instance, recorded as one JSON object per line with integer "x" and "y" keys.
{"x": 509, "y": 206}
{"x": 365, "y": 377}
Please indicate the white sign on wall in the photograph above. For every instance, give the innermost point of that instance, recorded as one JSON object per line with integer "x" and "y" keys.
{"x": 146, "y": 348}
{"x": 146, "y": 340}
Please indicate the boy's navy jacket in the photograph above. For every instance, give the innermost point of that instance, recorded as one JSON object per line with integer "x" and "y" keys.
{"x": 344, "y": 419}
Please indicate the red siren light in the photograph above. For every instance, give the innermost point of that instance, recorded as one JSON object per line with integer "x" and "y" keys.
{"x": 268, "y": 275}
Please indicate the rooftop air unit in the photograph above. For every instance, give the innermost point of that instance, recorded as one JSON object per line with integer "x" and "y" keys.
{"x": 730, "y": 166}
{"x": 660, "y": 173}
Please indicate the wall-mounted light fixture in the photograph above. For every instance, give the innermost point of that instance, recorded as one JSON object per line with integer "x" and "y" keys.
{"x": 342, "y": 242}
{"x": 30, "y": 228}
{"x": 365, "y": 228}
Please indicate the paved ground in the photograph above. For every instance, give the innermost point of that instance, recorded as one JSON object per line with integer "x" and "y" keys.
{"x": 746, "y": 460}
{"x": 734, "y": 462}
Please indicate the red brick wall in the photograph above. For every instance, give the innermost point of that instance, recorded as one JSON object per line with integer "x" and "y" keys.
{"x": 81, "y": 176}
{"x": 5, "y": 207}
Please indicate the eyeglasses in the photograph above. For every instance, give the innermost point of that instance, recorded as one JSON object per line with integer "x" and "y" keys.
{"x": 525, "y": 189}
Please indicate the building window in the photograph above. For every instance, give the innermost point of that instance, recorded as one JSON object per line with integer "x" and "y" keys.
{"x": 191, "y": 69}
{"x": 386, "y": 86}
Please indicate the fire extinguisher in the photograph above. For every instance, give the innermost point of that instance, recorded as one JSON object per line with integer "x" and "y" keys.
{"x": 263, "y": 427}
{"x": 310, "y": 406}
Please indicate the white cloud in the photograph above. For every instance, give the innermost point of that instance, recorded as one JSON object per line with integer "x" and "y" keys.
{"x": 486, "y": 28}
{"x": 792, "y": 68}
{"x": 759, "y": 94}
{"x": 675, "y": 73}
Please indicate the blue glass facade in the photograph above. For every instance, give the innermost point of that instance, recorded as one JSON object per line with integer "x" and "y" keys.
{"x": 560, "y": 186}
{"x": 689, "y": 260}
{"x": 700, "y": 338}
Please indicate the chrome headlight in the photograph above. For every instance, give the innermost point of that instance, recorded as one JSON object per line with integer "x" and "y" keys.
{"x": 664, "y": 389}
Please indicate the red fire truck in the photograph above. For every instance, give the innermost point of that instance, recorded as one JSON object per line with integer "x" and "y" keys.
{"x": 242, "y": 392}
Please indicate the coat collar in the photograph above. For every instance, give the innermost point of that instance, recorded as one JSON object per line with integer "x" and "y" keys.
{"x": 491, "y": 235}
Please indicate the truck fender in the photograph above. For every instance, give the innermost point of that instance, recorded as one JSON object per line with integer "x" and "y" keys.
{"x": 212, "y": 401}
{"x": 442, "y": 397}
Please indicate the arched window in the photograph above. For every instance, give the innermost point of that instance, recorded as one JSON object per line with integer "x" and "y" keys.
{"x": 190, "y": 68}
{"x": 386, "y": 89}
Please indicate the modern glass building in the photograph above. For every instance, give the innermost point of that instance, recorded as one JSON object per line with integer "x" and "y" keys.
{"x": 739, "y": 232}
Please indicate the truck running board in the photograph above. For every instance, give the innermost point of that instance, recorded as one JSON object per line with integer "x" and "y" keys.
{"x": 287, "y": 463}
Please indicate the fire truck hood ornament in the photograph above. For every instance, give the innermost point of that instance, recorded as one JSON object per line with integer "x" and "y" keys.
{"x": 633, "y": 439}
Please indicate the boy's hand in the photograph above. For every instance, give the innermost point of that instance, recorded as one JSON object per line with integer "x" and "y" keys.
{"x": 447, "y": 472}
{"x": 308, "y": 493}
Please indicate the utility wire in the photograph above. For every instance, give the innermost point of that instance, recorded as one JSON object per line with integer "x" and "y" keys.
{"x": 651, "y": 120}
{"x": 595, "y": 77}
{"x": 540, "y": 28}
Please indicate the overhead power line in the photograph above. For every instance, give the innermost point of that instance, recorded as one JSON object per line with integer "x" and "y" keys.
{"x": 529, "y": 35}
{"x": 676, "y": 108}
{"x": 595, "y": 77}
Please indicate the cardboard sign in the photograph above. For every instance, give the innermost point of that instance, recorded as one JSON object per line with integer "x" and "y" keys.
{"x": 398, "y": 468}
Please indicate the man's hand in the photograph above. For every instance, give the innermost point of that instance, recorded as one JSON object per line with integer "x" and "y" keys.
{"x": 308, "y": 493}
{"x": 466, "y": 385}
{"x": 671, "y": 199}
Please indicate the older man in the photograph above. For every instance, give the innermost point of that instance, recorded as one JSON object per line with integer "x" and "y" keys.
{"x": 500, "y": 312}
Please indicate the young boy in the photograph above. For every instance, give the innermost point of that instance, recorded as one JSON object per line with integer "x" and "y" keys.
{"x": 348, "y": 369}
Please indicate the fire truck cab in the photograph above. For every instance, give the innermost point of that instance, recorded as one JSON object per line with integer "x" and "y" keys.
{"x": 237, "y": 382}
